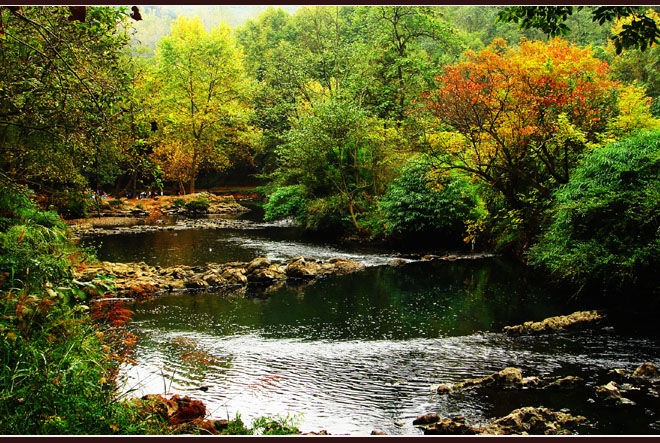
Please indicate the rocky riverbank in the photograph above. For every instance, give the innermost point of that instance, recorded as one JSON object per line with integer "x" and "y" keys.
{"x": 618, "y": 388}
{"x": 137, "y": 280}
{"x": 125, "y": 216}
{"x": 642, "y": 382}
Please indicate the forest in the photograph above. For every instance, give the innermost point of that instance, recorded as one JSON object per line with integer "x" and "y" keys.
{"x": 531, "y": 133}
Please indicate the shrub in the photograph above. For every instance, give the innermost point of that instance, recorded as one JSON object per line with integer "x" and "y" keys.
{"x": 73, "y": 204}
{"x": 34, "y": 247}
{"x": 420, "y": 203}
{"x": 179, "y": 202}
{"x": 287, "y": 201}
{"x": 196, "y": 207}
{"x": 116, "y": 203}
{"x": 605, "y": 226}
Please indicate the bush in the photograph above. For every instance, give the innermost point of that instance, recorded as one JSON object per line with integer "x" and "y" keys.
{"x": 116, "y": 203}
{"x": 287, "y": 201}
{"x": 73, "y": 204}
{"x": 605, "y": 225}
{"x": 34, "y": 247}
{"x": 419, "y": 204}
{"x": 179, "y": 202}
{"x": 196, "y": 207}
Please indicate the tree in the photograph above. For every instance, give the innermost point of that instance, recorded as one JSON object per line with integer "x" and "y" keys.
{"x": 636, "y": 65}
{"x": 406, "y": 44}
{"x": 605, "y": 220}
{"x": 518, "y": 119}
{"x": 640, "y": 32}
{"x": 60, "y": 86}
{"x": 341, "y": 157}
{"x": 202, "y": 100}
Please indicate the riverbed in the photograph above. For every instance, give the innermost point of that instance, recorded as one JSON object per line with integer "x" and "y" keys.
{"x": 361, "y": 352}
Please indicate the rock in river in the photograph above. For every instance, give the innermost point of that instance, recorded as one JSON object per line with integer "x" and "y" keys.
{"x": 576, "y": 320}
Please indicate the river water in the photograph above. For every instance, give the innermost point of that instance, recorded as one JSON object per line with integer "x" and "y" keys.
{"x": 354, "y": 353}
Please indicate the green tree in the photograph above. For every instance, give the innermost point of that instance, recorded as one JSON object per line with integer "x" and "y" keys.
{"x": 423, "y": 203}
{"x": 406, "y": 45}
{"x": 59, "y": 91}
{"x": 605, "y": 221}
{"x": 341, "y": 157}
{"x": 202, "y": 100}
{"x": 641, "y": 31}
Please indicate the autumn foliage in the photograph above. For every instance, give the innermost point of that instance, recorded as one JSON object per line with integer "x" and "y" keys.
{"x": 524, "y": 114}
{"x": 518, "y": 118}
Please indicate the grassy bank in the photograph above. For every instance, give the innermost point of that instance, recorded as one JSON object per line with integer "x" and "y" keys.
{"x": 60, "y": 354}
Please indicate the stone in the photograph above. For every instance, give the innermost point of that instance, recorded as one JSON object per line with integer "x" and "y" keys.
{"x": 195, "y": 283}
{"x": 450, "y": 427}
{"x": 646, "y": 370}
{"x": 266, "y": 274}
{"x": 536, "y": 421}
{"x": 343, "y": 265}
{"x": 426, "y": 419}
{"x": 259, "y": 262}
{"x": 569, "y": 382}
{"x": 141, "y": 290}
{"x": 508, "y": 378}
{"x": 576, "y": 320}
{"x": 301, "y": 268}
{"x": 376, "y": 432}
{"x": 214, "y": 279}
{"x": 234, "y": 275}
{"x": 443, "y": 389}
{"x": 610, "y": 395}
{"x": 396, "y": 262}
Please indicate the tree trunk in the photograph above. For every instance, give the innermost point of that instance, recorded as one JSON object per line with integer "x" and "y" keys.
{"x": 134, "y": 191}
{"x": 192, "y": 185}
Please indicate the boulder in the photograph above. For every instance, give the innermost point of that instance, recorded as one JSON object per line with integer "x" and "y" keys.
{"x": 195, "y": 283}
{"x": 234, "y": 275}
{"x": 443, "y": 389}
{"x": 266, "y": 274}
{"x": 257, "y": 263}
{"x": 302, "y": 268}
{"x": 536, "y": 421}
{"x": 339, "y": 265}
{"x": 450, "y": 427}
{"x": 564, "y": 383}
{"x": 610, "y": 395}
{"x": 396, "y": 262}
{"x": 576, "y": 320}
{"x": 426, "y": 419}
{"x": 213, "y": 279}
{"x": 646, "y": 370}
{"x": 508, "y": 378}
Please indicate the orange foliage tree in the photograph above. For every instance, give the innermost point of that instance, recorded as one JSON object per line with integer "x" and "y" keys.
{"x": 518, "y": 118}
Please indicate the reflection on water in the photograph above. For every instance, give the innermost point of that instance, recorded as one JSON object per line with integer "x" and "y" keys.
{"x": 200, "y": 246}
{"x": 360, "y": 352}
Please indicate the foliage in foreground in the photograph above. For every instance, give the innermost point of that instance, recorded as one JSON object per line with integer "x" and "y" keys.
{"x": 606, "y": 221}
{"x": 421, "y": 203}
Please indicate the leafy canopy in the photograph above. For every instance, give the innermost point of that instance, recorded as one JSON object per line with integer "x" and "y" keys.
{"x": 605, "y": 225}
{"x": 640, "y": 32}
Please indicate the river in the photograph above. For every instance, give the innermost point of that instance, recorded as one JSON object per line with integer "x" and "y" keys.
{"x": 359, "y": 352}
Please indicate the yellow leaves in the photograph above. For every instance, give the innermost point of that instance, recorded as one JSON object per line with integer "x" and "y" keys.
{"x": 446, "y": 141}
{"x": 634, "y": 112}
{"x": 114, "y": 427}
